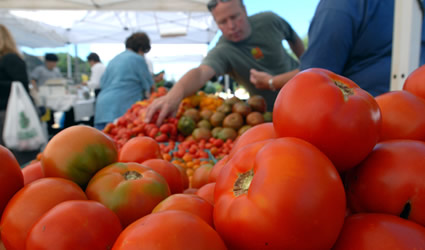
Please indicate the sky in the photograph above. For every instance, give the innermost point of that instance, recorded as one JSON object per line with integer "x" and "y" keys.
{"x": 297, "y": 12}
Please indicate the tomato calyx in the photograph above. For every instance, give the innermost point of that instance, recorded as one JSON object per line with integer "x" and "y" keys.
{"x": 346, "y": 91}
{"x": 132, "y": 175}
{"x": 406, "y": 210}
{"x": 243, "y": 182}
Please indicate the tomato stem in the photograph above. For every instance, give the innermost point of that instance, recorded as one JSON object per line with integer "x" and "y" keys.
{"x": 346, "y": 91}
{"x": 132, "y": 175}
{"x": 243, "y": 182}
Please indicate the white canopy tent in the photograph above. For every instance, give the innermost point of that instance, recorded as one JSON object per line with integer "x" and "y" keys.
{"x": 139, "y": 5}
{"x": 111, "y": 21}
{"x": 98, "y": 26}
{"x": 30, "y": 33}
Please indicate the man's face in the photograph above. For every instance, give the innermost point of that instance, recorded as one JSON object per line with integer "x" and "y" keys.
{"x": 232, "y": 20}
{"x": 51, "y": 64}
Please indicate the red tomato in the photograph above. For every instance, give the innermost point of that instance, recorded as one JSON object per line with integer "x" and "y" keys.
{"x": 32, "y": 172}
{"x": 190, "y": 191}
{"x": 166, "y": 230}
{"x": 140, "y": 149}
{"x": 217, "y": 168}
{"x": 77, "y": 153}
{"x": 390, "y": 180}
{"x": 332, "y": 113}
{"x": 187, "y": 202}
{"x": 200, "y": 175}
{"x": 207, "y": 192}
{"x": 30, "y": 203}
{"x": 185, "y": 178}
{"x": 130, "y": 189}
{"x": 11, "y": 178}
{"x": 75, "y": 225}
{"x": 279, "y": 194}
{"x": 415, "y": 83}
{"x": 257, "y": 133}
{"x": 380, "y": 231}
{"x": 402, "y": 116}
{"x": 169, "y": 171}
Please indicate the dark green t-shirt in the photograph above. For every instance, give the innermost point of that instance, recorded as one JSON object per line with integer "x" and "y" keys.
{"x": 262, "y": 50}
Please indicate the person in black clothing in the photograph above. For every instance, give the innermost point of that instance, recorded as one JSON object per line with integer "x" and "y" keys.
{"x": 12, "y": 68}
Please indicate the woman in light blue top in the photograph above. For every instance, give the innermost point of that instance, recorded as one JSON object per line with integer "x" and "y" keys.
{"x": 124, "y": 82}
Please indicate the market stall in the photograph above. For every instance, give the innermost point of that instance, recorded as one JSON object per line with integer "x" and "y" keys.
{"x": 341, "y": 172}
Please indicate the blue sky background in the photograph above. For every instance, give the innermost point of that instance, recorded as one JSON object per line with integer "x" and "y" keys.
{"x": 297, "y": 12}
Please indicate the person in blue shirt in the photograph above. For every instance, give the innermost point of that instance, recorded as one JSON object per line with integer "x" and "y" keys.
{"x": 125, "y": 81}
{"x": 352, "y": 38}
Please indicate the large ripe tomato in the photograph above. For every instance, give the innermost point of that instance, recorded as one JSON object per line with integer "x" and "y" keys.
{"x": 257, "y": 133}
{"x": 166, "y": 230}
{"x": 187, "y": 202}
{"x": 139, "y": 149}
{"x": 75, "y": 225}
{"x": 129, "y": 189}
{"x": 11, "y": 178}
{"x": 402, "y": 116}
{"x": 169, "y": 171}
{"x": 207, "y": 192}
{"x": 215, "y": 172}
{"x": 185, "y": 178}
{"x": 77, "y": 153}
{"x": 332, "y": 113}
{"x": 415, "y": 82}
{"x": 390, "y": 180}
{"x": 32, "y": 172}
{"x": 279, "y": 194}
{"x": 30, "y": 203}
{"x": 201, "y": 174}
{"x": 380, "y": 231}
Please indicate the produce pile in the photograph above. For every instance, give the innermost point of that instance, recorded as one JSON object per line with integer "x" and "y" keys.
{"x": 202, "y": 132}
{"x": 335, "y": 169}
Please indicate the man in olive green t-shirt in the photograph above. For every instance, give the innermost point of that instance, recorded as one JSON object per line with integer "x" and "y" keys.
{"x": 248, "y": 46}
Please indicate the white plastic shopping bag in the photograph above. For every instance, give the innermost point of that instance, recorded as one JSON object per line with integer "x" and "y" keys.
{"x": 22, "y": 129}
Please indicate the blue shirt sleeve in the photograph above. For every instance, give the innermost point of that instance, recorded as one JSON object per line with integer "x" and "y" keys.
{"x": 330, "y": 41}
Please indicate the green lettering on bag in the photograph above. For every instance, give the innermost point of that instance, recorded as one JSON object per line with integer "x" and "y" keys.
{"x": 25, "y": 135}
{"x": 23, "y": 120}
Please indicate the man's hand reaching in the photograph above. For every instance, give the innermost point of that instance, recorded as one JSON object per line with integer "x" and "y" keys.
{"x": 166, "y": 106}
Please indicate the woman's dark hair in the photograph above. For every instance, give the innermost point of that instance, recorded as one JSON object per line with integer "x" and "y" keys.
{"x": 93, "y": 57}
{"x": 51, "y": 57}
{"x": 138, "y": 41}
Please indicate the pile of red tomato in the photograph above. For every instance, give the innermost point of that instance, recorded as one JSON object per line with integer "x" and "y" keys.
{"x": 342, "y": 172}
